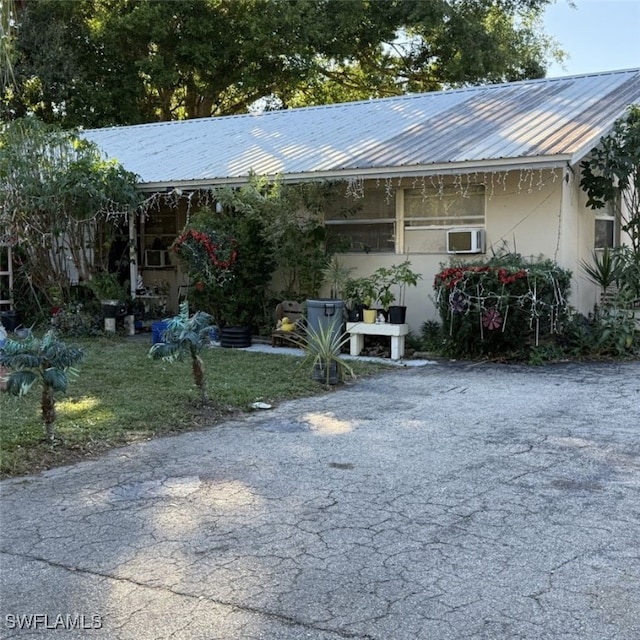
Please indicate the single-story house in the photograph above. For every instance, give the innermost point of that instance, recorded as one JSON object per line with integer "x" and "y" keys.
{"x": 497, "y": 163}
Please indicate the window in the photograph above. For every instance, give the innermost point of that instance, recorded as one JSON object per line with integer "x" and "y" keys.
{"x": 606, "y": 228}
{"x": 369, "y": 227}
{"x": 604, "y": 233}
{"x": 446, "y": 208}
{"x": 431, "y": 211}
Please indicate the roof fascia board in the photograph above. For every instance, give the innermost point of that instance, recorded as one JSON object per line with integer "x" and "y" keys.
{"x": 507, "y": 164}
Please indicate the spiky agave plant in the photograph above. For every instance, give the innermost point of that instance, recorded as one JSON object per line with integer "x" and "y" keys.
{"x": 48, "y": 361}
{"x": 322, "y": 346}
{"x": 186, "y": 335}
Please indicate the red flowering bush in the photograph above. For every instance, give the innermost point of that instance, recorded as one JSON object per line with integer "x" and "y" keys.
{"x": 207, "y": 257}
{"x": 501, "y": 306}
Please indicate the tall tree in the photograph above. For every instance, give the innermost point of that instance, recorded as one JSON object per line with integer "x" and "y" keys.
{"x": 60, "y": 202}
{"x": 100, "y": 62}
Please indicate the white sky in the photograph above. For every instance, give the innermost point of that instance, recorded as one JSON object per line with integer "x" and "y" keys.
{"x": 598, "y": 35}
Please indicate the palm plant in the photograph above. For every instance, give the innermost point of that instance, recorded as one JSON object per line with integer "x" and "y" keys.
{"x": 45, "y": 360}
{"x": 322, "y": 347}
{"x": 336, "y": 276}
{"x": 604, "y": 270}
{"x": 186, "y": 335}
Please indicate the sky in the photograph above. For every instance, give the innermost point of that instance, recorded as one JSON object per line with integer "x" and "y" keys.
{"x": 598, "y": 35}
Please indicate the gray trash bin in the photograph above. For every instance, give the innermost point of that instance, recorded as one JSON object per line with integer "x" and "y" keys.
{"x": 326, "y": 313}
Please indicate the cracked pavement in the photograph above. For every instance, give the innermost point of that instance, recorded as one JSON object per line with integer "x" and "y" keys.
{"x": 453, "y": 501}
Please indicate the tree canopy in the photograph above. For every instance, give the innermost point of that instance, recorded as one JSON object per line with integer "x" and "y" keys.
{"x": 60, "y": 203}
{"x": 611, "y": 175}
{"x": 102, "y": 62}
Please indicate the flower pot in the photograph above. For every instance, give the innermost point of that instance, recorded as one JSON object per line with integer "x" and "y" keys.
{"x": 355, "y": 314}
{"x": 320, "y": 373}
{"x": 369, "y": 315}
{"x": 9, "y": 320}
{"x": 110, "y": 308}
{"x": 235, "y": 337}
{"x": 397, "y": 315}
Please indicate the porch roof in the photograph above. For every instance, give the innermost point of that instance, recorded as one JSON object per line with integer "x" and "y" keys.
{"x": 529, "y": 123}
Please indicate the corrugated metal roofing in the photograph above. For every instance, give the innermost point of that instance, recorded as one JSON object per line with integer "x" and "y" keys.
{"x": 537, "y": 121}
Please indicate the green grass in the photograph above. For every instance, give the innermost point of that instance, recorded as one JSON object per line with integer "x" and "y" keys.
{"x": 122, "y": 396}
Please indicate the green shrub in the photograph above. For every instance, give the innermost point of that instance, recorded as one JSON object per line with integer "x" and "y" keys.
{"x": 501, "y": 306}
{"x": 76, "y": 320}
{"x": 430, "y": 338}
{"x": 608, "y": 332}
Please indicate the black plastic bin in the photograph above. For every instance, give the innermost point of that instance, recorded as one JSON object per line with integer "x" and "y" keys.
{"x": 10, "y": 320}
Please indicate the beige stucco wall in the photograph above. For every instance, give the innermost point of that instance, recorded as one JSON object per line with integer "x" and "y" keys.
{"x": 535, "y": 213}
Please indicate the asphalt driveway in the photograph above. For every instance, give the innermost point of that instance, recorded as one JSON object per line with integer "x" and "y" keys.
{"x": 451, "y": 501}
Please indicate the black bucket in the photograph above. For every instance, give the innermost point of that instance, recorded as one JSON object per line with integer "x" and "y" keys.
{"x": 397, "y": 315}
{"x": 235, "y": 337}
{"x": 9, "y": 319}
{"x": 110, "y": 309}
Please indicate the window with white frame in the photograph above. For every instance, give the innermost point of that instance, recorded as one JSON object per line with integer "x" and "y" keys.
{"x": 605, "y": 228}
{"x": 604, "y": 233}
{"x": 429, "y": 211}
{"x": 368, "y": 226}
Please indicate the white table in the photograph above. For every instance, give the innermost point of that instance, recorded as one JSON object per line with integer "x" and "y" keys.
{"x": 358, "y": 330}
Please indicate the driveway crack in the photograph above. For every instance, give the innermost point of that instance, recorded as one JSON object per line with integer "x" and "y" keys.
{"x": 283, "y": 619}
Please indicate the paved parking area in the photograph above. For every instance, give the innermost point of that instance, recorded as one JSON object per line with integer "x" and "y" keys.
{"x": 453, "y": 501}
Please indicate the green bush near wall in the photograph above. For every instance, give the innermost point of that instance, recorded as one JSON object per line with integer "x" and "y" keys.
{"x": 501, "y": 306}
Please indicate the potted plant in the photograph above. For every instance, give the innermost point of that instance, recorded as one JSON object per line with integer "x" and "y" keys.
{"x": 369, "y": 292}
{"x": 112, "y": 295}
{"x": 354, "y": 299}
{"x": 322, "y": 347}
{"x": 107, "y": 287}
{"x": 383, "y": 279}
{"x": 401, "y": 276}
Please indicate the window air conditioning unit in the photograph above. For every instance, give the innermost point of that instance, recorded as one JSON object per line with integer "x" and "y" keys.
{"x": 156, "y": 258}
{"x": 465, "y": 241}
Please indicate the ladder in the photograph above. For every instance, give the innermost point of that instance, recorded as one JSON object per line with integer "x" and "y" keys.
{"x": 6, "y": 278}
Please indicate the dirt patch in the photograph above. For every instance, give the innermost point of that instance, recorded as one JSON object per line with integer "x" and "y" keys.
{"x": 44, "y": 455}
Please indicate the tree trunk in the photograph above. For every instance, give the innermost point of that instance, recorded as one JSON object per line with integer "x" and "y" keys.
{"x": 48, "y": 412}
{"x": 199, "y": 377}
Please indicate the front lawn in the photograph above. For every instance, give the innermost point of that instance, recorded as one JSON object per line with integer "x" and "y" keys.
{"x": 122, "y": 396}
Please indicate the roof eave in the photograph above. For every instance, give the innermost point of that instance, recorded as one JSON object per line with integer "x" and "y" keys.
{"x": 493, "y": 165}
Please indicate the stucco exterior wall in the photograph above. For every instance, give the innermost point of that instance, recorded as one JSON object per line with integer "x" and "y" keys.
{"x": 534, "y": 213}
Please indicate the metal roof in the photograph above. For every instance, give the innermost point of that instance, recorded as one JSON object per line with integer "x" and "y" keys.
{"x": 550, "y": 120}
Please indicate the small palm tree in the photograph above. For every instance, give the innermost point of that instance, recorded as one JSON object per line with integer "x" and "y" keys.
{"x": 184, "y": 335}
{"x": 603, "y": 270}
{"x": 46, "y": 360}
